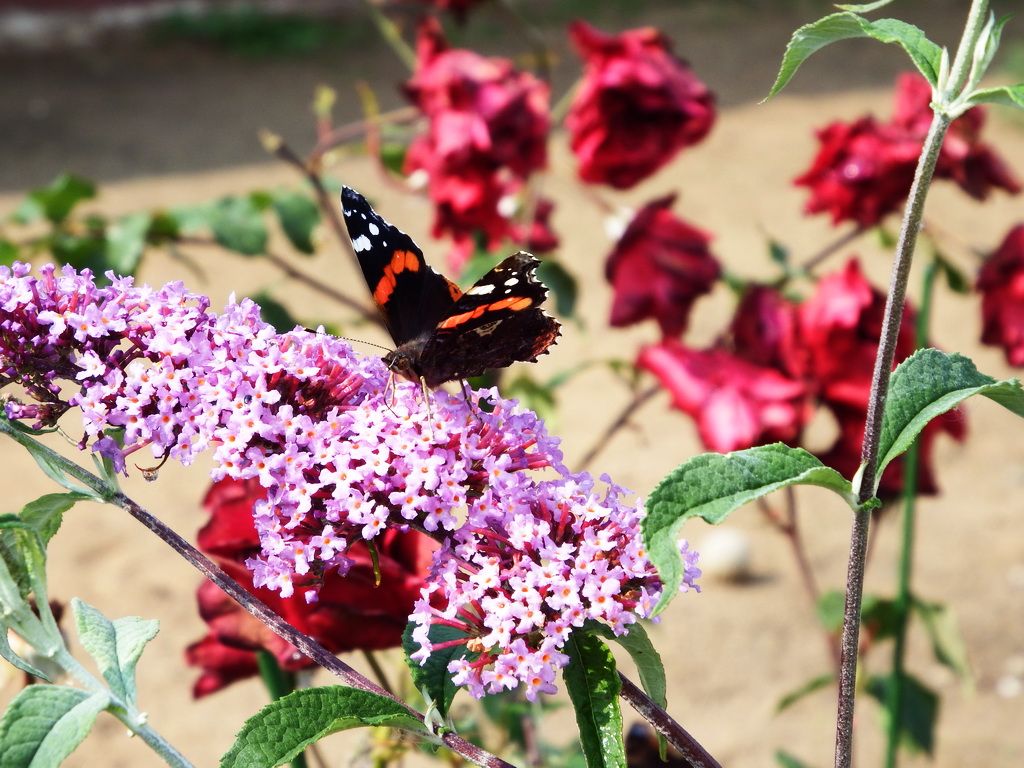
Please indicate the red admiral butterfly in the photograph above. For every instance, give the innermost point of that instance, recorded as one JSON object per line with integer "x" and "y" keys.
{"x": 441, "y": 333}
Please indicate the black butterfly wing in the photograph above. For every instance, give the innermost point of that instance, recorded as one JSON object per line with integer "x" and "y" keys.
{"x": 412, "y": 297}
{"x": 499, "y": 321}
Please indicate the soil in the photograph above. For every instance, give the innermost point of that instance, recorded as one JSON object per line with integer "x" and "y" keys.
{"x": 175, "y": 124}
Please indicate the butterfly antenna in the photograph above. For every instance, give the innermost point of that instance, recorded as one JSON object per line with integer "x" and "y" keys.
{"x": 370, "y": 343}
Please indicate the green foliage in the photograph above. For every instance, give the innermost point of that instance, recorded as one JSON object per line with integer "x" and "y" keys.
{"x": 299, "y": 217}
{"x": 810, "y": 38}
{"x": 1004, "y": 95}
{"x": 238, "y": 225}
{"x": 275, "y": 313}
{"x": 54, "y": 201}
{"x": 562, "y": 284}
{"x": 712, "y": 485}
{"x": 114, "y": 645}
{"x": 807, "y": 688}
{"x": 787, "y": 760}
{"x": 48, "y": 460}
{"x": 125, "y": 242}
{"x": 863, "y": 7}
{"x": 830, "y": 609}
{"x": 44, "y": 724}
{"x": 918, "y": 713}
{"x": 282, "y": 729}
{"x": 9, "y": 252}
{"x": 249, "y": 31}
{"x": 928, "y": 384}
{"x": 432, "y": 678}
{"x": 947, "y": 642}
{"x": 593, "y": 685}
{"x": 45, "y": 514}
{"x": 645, "y": 656}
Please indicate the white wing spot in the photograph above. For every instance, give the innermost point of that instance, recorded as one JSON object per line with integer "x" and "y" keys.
{"x": 374, "y": 229}
{"x": 512, "y": 281}
{"x": 361, "y": 243}
{"x": 363, "y": 215}
{"x": 480, "y": 290}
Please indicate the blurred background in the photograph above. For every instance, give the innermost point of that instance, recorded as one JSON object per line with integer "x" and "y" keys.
{"x": 160, "y": 104}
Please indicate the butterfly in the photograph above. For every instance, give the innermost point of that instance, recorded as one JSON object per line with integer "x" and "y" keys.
{"x": 440, "y": 332}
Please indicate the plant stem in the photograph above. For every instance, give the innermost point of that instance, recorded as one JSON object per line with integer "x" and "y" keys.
{"x": 894, "y": 700}
{"x": 392, "y": 35}
{"x": 378, "y": 671}
{"x": 880, "y": 382}
{"x": 691, "y": 750}
{"x": 830, "y": 249}
{"x": 635, "y": 404}
{"x": 242, "y": 596}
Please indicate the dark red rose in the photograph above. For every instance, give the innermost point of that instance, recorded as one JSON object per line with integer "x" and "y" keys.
{"x": 539, "y": 237}
{"x": 862, "y": 172}
{"x": 487, "y": 131}
{"x": 1001, "y": 283}
{"x": 736, "y": 404}
{"x": 659, "y": 267}
{"x": 864, "y": 169}
{"x": 352, "y": 612}
{"x": 638, "y": 105}
{"x": 765, "y": 331}
{"x": 964, "y": 158}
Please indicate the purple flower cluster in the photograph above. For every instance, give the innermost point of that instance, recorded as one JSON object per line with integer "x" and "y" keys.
{"x": 527, "y": 555}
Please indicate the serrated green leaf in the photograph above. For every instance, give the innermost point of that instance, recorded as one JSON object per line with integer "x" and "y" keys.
{"x": 44, "y": 724}
{"x": 928, "y": 384}
{"x": 593, "y": 685}
{"x": 863, "y": 7}
{"x": 238, "y": 225}
{"x": 562, "y": 285}
{"x": 812, "y": 37}
{"x": 299, "y": 217}
{"x": 45, "y": 514}
{"x": 787, "y": 760}
{"x": 9, "y": 252}
{"x": 712, "y": 485}
{"x": 918, "y": 714}
{"x": 126, "y": 240}
{"x": 281, "y": 730}
{"x": 115, "y": 645}
{"x": 433, "y": 676}
{"x": 274, "y": 312}
{"x": 1004, "y": 95}
{"x": 809, "y": 687}
{"x": 947, "y": 643}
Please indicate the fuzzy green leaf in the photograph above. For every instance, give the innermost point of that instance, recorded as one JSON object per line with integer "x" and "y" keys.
{"x": 863, "y": 7}
{"x": 299, "y": 217}
{"x": 44, "y": 724}
{"x": 45, "y": 514}
{"x": 812, "y": 37}
{"x": 432, "y": 677}
{"x": 918, "y": 715}
{"x": 281, "y": 730}
{"x": 1004, "y": 95}
{"x": 712, "y": 485}
{"x": 593, "y": 685}
{"x": 238, "y": 225}
{"x": 928, "y": 384}
{"x": 115, "y": 645}
{"x": 126, "y": 240}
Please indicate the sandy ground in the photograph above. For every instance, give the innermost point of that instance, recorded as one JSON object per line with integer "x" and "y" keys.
{"x": 732, "y": 651}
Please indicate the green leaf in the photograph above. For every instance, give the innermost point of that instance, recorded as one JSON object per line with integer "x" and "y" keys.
{"x": 46, "y": 460}
{"x": 786, "y": 760}
{"x": 918, "y": 714}
{"x": 863, "y": 7}
{"x": 712, "y": 485}
{"x": 238, "y": 225}
{"x": 45, "y": 514}
{"x": 281, "y": 730}
{"x": 538, "y": 396}
{"x": 811, "y": 38}
{"x": 1004, "y": 95}
{"x": 56, "y": 200}
{"x": 7, "y": 653}
{"x": 9, "y": 252}
{"x": 947, "y": 643}
{"x": 778, "y": 253}
{"x": 478, "y": 265}
{"x": 926, "y": 385}
{"x": 126, "y": 240}
{"x": 561, "y": 284}
{"x": 299, "y": 217}
{"x": 23, "y": 560}
{"x": 44, "y": 724}
{"x": 433, "y": 677}
{"x": 189, "y": 219}
{"x": 274, "y": 312}
{"x": 830, "y": 609}
{"x": 392, "y": 156}
{"x": 115, "y": 645}
{"x": 593, "y": 685}
{"x": 879, "y": 616}
{"x": 809, "y": 687}
{"x": 955, "y": 278}
{"x": 80, "y": 251}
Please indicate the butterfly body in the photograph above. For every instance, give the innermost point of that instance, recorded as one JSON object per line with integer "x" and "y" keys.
{"x": 442, "y": 333}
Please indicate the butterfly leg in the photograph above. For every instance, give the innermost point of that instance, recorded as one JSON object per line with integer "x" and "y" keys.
{"x": 474, "y": 408}
{"x": 389, "y": 393}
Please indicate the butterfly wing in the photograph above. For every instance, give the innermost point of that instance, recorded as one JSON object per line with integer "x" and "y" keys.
{"x": 495, "y": 323}
{"x": 412, "y": 297}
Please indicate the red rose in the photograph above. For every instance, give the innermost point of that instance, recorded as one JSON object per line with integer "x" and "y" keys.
{"x": 864, "y": 169}
{"x": 736, "y": 404}
{"x": 765, "y": 332}
{"x": 351, "y": 613}
{"x": 659, "y": 267}
{"x": 637, "y": 106}
{"x": 487, "y": 131}
{"x": 538, "y": 237}
{"x": 1001, "y": 283}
